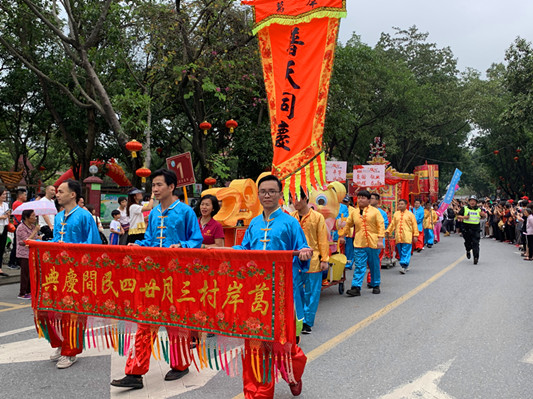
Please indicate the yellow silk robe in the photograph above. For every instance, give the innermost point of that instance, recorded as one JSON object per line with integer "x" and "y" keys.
{"x": 368, "y": 227}
{"x": 430, "y": 218}
{"x": 404, "y": 227}
{"x": 314, "y": 226}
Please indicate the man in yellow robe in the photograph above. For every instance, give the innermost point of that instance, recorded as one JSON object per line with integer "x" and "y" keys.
{"x": 368, "y": 242}
{"x": 316, "y": 233}
{"x": 430, "y": 218}
{"x": 405, "y": 228}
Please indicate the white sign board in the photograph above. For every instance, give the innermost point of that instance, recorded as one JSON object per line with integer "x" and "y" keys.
{"x": 336, "y": 171}
{"x": 369, "y": 175}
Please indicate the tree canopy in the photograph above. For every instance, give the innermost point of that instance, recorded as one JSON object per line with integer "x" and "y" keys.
{"x": 79, "y": 80}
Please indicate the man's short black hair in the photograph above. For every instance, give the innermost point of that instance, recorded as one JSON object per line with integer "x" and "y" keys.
{"x": 120, "y": 199}
{"x": 403, "y": 200}
{"x": 115, "y": 212}
{"x": 376, "y": 195}
{"x": 418, "y": 199}
{"x": 20, "y": 191}
{"x": 169, "y": 176}
{"x": 74, "y": 186}
{"x": 270, "y": 178}
{"x": 364, "y": 193}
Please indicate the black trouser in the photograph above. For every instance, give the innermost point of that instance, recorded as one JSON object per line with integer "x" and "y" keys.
{"x": 13, "y": 260}
{"x": 509, "y": 232}
{"x": 529, "y": 252}
{"x": 448, "y": 225}
{"x": 471, "y": 236}
{"x": 3, "y": 240}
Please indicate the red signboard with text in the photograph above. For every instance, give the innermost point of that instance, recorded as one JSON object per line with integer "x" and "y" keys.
{"x": 182, "y": 165}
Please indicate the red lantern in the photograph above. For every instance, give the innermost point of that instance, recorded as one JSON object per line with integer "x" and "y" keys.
{"x": 205, "y": 126}
{"x": 134, "y": 146}
{"x": 42, "y": 168}
{"x": 159, "y": 151}
{"x": 143, "y": 173}
{"x": 518, "y": 150}
{"x": 496, "y": 152}
{"x": 231, "y": 125}
{"x": 515, "y": 159}
{"x": 11, "y": 228}
{"x": 210, "y": 181}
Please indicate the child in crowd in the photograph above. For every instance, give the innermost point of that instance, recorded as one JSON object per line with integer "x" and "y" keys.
{"x": 115, "y": 228}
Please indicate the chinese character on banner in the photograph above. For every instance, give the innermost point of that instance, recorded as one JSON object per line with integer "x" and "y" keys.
{"x": 370, "y": 176}
{"x": 336, "y": 171}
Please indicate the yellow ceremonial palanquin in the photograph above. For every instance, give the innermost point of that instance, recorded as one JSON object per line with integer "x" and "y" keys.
{"x": 404, "y": 226}
{"x": 316, "y": 233}
{"x": 430, "y": 218}
{"x": 368, "y": 227}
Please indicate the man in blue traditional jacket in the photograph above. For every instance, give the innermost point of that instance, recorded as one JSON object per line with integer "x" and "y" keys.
{"x": 276, "y": 230}
{"x": 171, "y": 224}
{"x": 73, "y": 225}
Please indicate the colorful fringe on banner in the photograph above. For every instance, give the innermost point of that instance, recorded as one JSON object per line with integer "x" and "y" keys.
{"x": 93, "y": 296}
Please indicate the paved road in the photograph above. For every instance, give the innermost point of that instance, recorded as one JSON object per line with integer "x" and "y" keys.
{"x": 447, "y": 329}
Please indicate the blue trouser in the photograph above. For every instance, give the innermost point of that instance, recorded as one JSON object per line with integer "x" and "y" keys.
{"x": 312, "y": 285}
{"x": 364, "y": 256}
{"x": 429, "y": 234}
{"x": 405, "y": 254}
{"x": 349, "y": 252}
{"x": 298, "y": 295}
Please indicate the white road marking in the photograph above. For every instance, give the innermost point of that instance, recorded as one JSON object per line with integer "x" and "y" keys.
{"x": 424, "y": 387}
{"x": 528, "y": 358}
{"x": 7, "y": 333}
{"x": 38, "y": 349}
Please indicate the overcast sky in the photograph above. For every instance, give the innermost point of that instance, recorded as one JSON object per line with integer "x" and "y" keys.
{"x": 477, "y": 31}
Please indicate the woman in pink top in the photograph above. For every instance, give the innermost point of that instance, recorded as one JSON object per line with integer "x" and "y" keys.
{"x": 27, "y": 230}
{"x": 212, "y": 230}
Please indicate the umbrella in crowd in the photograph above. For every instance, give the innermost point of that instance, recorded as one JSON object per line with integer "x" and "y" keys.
{"x": 39, "y": 207}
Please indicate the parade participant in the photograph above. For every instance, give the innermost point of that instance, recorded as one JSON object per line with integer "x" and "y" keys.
{"x": 77, "y": 226}
{"x": 375, "y": 202}
{"x": 135, "y": 211}
{"x": 418, "y": 211}
{"x": 368, "y": 242}
{"x": 212, "y": 231}
{"x": 430, "y": 218}
{"x": 470, "y": 215}
{"x": 316, "y": 233}
{"x": 27, "y": 230}
{"x": 275, "y": 230}
{"x": 438, "y": 224}
{"x": 349, "y": 237}
{"x": 405, "y": 229}
{"x": 171, "y": 224}
{"x": 124, "y": 220}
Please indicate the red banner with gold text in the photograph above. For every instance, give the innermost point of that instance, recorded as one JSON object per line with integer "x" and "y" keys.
{"x": 297, "y": 43}
{"x": 244, "y": 294}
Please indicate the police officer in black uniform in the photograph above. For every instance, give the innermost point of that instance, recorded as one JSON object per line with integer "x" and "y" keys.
{"x": 471, "y": 216}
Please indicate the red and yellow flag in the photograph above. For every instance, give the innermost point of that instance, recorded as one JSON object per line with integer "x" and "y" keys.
{"x": 297, "y": 42}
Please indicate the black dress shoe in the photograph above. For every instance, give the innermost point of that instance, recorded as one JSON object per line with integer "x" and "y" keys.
{"x": 130, "y": 381}
{"x": 306, "y": 329}
{"x": 475, "y": 261}
{"x": 176, "y": 374}
{"x": 376, "y": 290}
{"x": 354, "y": 291}
{"x": 467, "y": 254}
